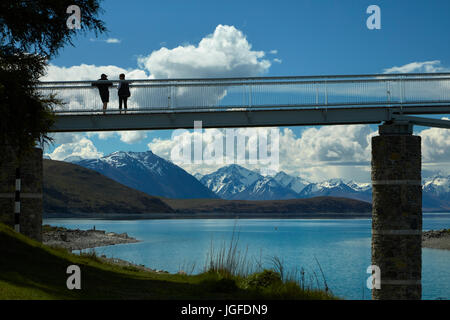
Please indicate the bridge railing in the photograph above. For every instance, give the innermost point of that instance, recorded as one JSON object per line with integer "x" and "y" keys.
{"x": 172, "y": 95}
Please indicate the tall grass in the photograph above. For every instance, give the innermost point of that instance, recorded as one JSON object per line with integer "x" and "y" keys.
{"x": 229, "y": 261}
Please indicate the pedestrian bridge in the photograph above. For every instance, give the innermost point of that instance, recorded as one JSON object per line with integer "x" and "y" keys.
{"x": 397, "y": 100}
{"x": 254, "y": 101}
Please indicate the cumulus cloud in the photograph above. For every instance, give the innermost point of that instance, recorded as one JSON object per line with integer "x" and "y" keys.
{"x": 66, "y": 137}
{"x": 418, "y": 67}
{"x": 131, "y": 137}
{"x": 83, "y": 148}
{"x": 86, "y": 72}
{"x": 328, "y": 151}
{"x": 208, "y": 150}
{"x": 436, "y": 145}
{"x": 225, "y": 53}
{"x": 102, "y": 135}
{"x": 318, "y": 154}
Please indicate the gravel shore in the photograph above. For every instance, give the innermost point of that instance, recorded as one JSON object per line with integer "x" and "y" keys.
{"x": 85, "y": 239}
{"x": 82, "y": 239}
{"x": 436, "y": 239}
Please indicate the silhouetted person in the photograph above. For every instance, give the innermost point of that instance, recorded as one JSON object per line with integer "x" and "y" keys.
{"x": 123, "y": 92}
{"x": 103, "y": 88}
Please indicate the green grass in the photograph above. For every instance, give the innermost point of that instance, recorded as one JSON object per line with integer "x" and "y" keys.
{"x": 31, "y": 270}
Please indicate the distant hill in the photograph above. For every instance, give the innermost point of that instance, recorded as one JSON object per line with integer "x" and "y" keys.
{"x": 312, "y": 205}
{"x": 146, "y": 172}
{"x": 69, "y": 188}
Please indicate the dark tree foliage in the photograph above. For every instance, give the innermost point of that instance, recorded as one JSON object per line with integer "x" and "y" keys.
{"x": 31, "y": 32}
{"x": 25, "y": 115}
{"x": 39, "y": 26}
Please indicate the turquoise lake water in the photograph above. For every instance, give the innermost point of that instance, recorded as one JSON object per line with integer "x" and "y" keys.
{"x": 342, "y": 247}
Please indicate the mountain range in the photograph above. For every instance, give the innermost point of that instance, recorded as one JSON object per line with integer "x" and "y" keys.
{"x": 234, "y": 182}
{"x": 74, "y": 191}
{"x": 149, "y": 173}
{"x": 146, "y": 172}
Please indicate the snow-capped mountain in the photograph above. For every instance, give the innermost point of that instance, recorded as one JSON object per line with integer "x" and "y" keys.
{"x": 198, "y": 176}
{"x": 296, "y": 184}
{"x": 73, "y": 159}
{"x": 338, "y": 188}
{"x": 266, "y": 188}
{"x": 149, "y": 173}
{"x": 436, "y": 193}
{"x": 238, "y": 183}
{"x": 229, "y": 181}
{"x": 361, "y": 187}
{"x": 437, "y": 185}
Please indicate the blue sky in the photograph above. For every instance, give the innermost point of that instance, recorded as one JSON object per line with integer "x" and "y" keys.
{"x": 297, "y": 38}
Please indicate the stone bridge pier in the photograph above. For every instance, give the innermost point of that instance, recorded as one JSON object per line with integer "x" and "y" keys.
{"x": 397, "y": 212}
{"x": 21, "y": 192}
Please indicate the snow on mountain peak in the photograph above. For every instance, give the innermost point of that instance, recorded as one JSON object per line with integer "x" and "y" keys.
{"x": 437, "y": 184}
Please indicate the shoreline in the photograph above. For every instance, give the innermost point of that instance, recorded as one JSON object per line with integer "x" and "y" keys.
{"x": 436, "y": 239}
{"x": 233, "y": 216}
{"x": 170, "y": 216}
{"x": 76, "y": 239}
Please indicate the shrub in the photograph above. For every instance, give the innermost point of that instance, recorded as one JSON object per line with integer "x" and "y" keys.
{"x": 265, "y": 279}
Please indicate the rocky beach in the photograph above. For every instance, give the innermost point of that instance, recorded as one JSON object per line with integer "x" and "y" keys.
{"x": 436, "y": 239}
{"x": 82, "y": 239}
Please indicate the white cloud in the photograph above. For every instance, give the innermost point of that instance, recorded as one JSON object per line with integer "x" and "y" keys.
{"x": 318, "y": 154}
{"x": 418, "y": 67}
{"x": 89, "y": 72}
{"x": 83, "y": 148}
{"x": 277, "y": 60}
{"x": 327, "y": 152}
{"x": 109, "y": 40}
{"x": 66, "y": 137}
{"x": 131, "y": 137}
{"x": 436, "y": 145}
{"x": 273, "y": 51}
{"x": 225, "y": 53}
{"x": 112, "y": 40}
{"x": 102, "y": 135}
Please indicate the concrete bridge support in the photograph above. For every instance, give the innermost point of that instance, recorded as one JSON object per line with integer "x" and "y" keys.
{"x": 21, "y": 202}
{"x": 397, "y": 212}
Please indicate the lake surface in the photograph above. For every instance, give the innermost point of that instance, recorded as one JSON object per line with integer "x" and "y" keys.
{"x": 342, "y": 247}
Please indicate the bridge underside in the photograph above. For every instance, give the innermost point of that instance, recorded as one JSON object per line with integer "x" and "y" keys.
{"x": 236, "y": 117}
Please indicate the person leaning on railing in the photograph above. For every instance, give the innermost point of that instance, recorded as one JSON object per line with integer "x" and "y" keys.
{"x": 103, "y": 88}
{"x": 123, "y": 92}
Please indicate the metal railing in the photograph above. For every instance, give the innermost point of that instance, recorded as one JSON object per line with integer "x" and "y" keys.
{"x": 173, "y": 95}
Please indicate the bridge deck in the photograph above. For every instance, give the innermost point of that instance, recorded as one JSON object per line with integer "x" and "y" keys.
{"x": 244, "y": 102}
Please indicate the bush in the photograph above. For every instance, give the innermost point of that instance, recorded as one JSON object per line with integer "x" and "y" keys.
{"x": 265, "y": 279}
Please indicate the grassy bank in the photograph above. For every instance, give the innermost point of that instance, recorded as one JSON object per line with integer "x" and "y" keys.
{"x": 31, "y": 270}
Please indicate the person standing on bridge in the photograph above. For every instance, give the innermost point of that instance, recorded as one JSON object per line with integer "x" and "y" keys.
{"x": 103, "y": 88}
{"x": 123, "y": 92}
